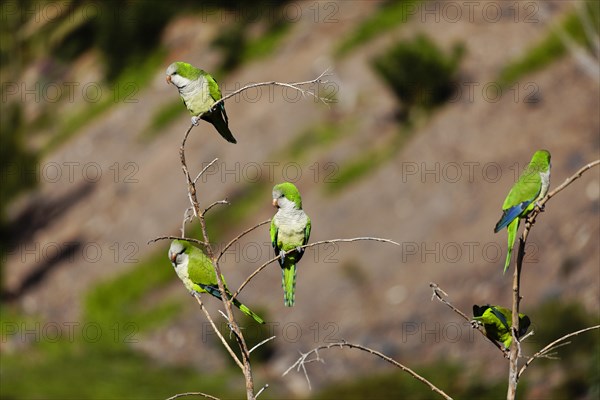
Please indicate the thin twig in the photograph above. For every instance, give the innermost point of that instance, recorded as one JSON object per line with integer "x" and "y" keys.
{"x": 302, "y": 360}
{"x": 210, "y": 164}
{"x": 553, "y": 346}
{"x": 291, "y": 85}
{"x": 238, "y": 237}
{"x": 263, "y": 266}
{"x": 200, "y": 242}
{"x": 262, "y": 389}
{"x": 437, "y": 294}
{"x": 568, "y": 181}
{"x": 261, "y": 343}
{"x": 214, "y": 327}
{"x": 208, "y": 396}
{"x": 216, "y": 203}
{"x": 186, "y": 218}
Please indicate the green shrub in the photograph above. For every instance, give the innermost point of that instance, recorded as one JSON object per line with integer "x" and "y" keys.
{"x": 419, "y": 73}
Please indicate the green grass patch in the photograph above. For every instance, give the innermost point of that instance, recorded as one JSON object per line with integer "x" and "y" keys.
{"x": 119, "y": 303}
{"x": 87, "y": 371}
{"x": 96, "y": 360}
{"x": 449, "y": 377}
{"x": 244, "y": 202}
{"x": 551, "y": 48}
{"x": 238, "y": 47}
{"x": 163, "y": 117}
{"x": 266, "y": 44}
{"x": 318, "y": 136}
{"x": 368, "y": 161}
{"x": 391, "y": 14}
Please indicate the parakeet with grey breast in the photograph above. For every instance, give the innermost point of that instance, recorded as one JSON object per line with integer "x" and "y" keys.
{"x": 198, "y": 275}
{"x": 290, "y": 229}
{"x": 199, "y": 91}
{"x": 531, "y": 187}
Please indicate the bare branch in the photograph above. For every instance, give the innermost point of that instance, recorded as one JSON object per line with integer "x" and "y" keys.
{"x": 568, "y": 181}
{"x": 210, "y": 164}
{"x": 262, "y": 389}
{"x": 208, "y": 396}
{"x": 437, "y": 294}
{"x": 261, "y": 343}
{"x": 553, "y": 346}
{"x": 263, "y": 266}
{"x": 238, "y": 237}
{"x": 200, "y": 242}
{"x": 186, "y": 218}
{"x": 214, "y": 327}
{"x": 234, "y": 327}
{"x": 216, "y": 203}
{"x": 291, "y": 85}
{"x": 303, "y": 360}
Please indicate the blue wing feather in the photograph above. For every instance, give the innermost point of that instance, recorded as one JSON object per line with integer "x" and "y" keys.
{"x": 211, "y": 290}
{"x": 510, "y": 214}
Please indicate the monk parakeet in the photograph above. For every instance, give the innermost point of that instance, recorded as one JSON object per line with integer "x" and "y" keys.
{"x": 199, "y": 91}
{"x": 497, "y": 322}
{"x": 196, "y": 272}
{"x": 531, "y": 187}
{"x": 290, "y": 229}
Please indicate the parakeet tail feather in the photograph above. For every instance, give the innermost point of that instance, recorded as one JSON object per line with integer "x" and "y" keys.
{"x": 289, "y": 285}
{"x": 248, "y": 311}
{"x": 217, "y": 119}
{"x": 512, "y": 229}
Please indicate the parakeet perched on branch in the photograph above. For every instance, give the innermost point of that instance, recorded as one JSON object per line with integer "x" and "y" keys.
{"x": 198, "y": 275}
{"x": 497, "y": 322}
{"x": 531, "y": 187}
{"x": 290, "y": 229}
{"x": 199, "y": 91}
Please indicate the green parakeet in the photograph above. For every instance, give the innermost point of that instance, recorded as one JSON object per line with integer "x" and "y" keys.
{"x": 199, "y": 91}
{"x": 497, "y": 322}
{"x": 290, "y": 229}
{"x": 531, "y": 187}
{"x": 196, "y": 272}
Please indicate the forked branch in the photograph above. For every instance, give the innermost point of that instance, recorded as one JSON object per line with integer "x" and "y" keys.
{"x": 304, "y": 359}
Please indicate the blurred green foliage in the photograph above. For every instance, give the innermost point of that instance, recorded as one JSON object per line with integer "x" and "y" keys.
{"x": 122, "y": 300}
{"x": 449, "y": 377}
{"x": 419, "y": 73}
{"x": 100, "y": 362}
{"x": 127, "y": 32}
{"x": 80, "y": 370}
{"x": 578, "y": 361}
{"x": 552, "y": 48}
{"x": 390, "y": 14}
{"x": 235, "y": 40}
{"x": 18, "y": 169}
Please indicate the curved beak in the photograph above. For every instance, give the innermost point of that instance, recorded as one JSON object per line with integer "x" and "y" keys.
{"x": 274, "y": 202}
{"x": 173, "y": 257}
{"x": 168, "y": 79}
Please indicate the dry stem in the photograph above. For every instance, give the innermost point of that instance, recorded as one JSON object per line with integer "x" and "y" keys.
{"x": 300, "y": 363}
